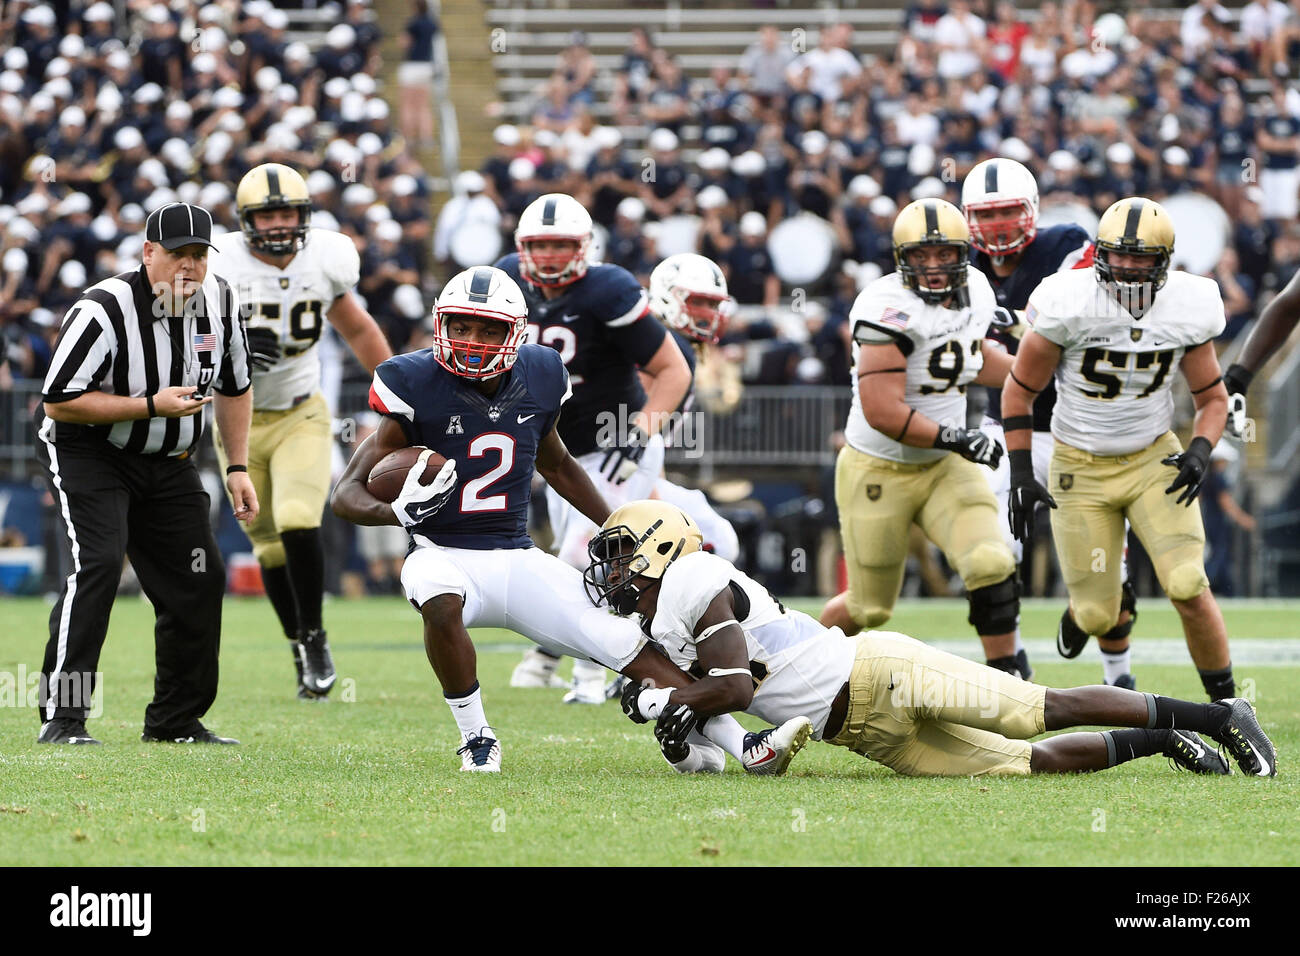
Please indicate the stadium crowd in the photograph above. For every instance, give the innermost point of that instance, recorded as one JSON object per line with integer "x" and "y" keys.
{"x": 1100, "y": 107}
{"x": 104, "y": 119}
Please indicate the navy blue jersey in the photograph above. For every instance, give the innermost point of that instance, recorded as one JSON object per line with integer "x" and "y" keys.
{"x": 494, "y": 439}
{"x": 1051, "y": 250}
{"x": 602, "y": 328}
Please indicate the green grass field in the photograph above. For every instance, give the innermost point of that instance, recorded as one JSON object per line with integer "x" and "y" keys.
{"x": 370, "y": 777}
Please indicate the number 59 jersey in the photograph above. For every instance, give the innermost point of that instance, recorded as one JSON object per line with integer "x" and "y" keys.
{"x": 293, "y": 303}
{"x": 1113, "y": 381}
{"x": 942, "y": 348}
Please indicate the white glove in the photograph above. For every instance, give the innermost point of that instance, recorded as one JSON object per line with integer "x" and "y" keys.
{"x": 418, "y": 501}
{"x": 1236, "y": 414}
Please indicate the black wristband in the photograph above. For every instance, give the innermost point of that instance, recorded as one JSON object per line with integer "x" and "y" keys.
{"x": 1237, "y": 378}
{"x": 1022, "y": 462}
{"x": 231, "y": 469}
{"x": 1017, "y": 423}
{"x": 148, "y": 403}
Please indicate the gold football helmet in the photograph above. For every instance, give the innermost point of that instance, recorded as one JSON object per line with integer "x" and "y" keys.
{"x": 640, "y": 539}
{"x": 273, "y": 186}
{"x": 1138, "y": 227}
{"x": 932, "y": 222}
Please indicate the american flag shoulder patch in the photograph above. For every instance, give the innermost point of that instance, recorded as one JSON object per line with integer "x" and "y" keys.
{"x": 1030, "y": 314}
{"x": 206, "y": 342}
{"x": 894, "y": 317}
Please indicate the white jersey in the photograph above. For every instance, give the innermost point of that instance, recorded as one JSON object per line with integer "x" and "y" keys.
{"x": 944, "y": 353}
{"x": 798, "y": 665}
{"x": 1113, "y": 394}
{"x": 293, "y": 302}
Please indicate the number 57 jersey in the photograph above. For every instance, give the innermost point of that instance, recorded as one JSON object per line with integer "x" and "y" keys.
{"x": 942, "y": 348}
{"x": 1114, "y": 377}
{"x": 292, "y": 302}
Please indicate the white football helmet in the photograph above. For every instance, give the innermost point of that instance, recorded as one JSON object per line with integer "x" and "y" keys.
{"x": 1001, "y": 184}
{"x": 479, "y": 293}
{"x": 689, "y": 293}
{"x": 554, "y": 216}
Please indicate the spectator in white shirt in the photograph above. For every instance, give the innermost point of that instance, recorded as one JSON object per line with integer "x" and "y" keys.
{"x": 959, "y": 35}
{"x": 831, "y": 69}
{"x": 1195, "y": 35}
{"x": 1262, "y": 27}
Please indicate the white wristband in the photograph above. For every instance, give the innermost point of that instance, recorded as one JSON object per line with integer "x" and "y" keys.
{"x": 652, "y": 702}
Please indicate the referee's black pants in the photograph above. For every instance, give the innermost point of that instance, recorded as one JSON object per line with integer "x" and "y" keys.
{"x": 154, "y": 510}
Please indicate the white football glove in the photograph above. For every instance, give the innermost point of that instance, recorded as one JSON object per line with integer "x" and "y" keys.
{"x": 417, "y": 501}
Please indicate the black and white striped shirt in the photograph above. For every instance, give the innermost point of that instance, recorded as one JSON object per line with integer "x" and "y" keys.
{"x": 112, "y": 342}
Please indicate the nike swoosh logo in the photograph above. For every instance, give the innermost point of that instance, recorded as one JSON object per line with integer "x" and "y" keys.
{"x": 524, "y": 418}
{"x": 570, "y": 318}
{"x": 421, "y": 512}
{"x": 759, "y": 761}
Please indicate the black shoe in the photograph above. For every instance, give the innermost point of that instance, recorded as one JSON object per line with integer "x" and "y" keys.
{"x": 1022, "y": 665}
{"x": 200, "y": 736}
{"x": 317, "y": 665}
{"x": 1188, "y": 751}
{"x": 1127, "y": 681}
{"x": 298, "y": 654}
{"x": 1071, "y": 639}
{"x": 65, "y": 730}
{"x": 1243, "y": 737}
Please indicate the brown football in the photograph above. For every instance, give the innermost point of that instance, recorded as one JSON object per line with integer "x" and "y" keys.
{"x": 389, "y": 474}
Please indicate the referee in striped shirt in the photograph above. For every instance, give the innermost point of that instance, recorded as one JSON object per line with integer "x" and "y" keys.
{"x": 138, "y": 357}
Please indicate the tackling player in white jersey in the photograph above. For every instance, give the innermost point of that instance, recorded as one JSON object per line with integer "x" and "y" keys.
{"x": 1112, "y": 336}
{"x": 883, "y": 695}
{"x": 292, "y": 279}
{"x": 908, "y": 455}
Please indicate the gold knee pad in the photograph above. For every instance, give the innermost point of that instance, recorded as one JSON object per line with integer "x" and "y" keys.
{"x": 1186, "y": 581}
{"x": 989, "y": 562}
{"x": 1096, "y": 617}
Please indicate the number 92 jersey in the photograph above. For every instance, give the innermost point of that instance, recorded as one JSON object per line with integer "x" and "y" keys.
{"x": 1113, "y": 381}
{"x": 292, "y": 302}
{"x": 943, "y": 352}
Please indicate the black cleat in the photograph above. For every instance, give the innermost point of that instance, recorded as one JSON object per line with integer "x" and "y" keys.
{"x": 1071, "y": 639}
{"x": 1243, "y": 738}
{"x": 1188, "y": 751}
{"x": 317, "y": 665}
{"x": 201, "y": 736}
{"x": 1022, "y": 665}
{"x": 65, "y": 730}
{"x": 1127, "y": 681}
{"x": 303, "y": 692}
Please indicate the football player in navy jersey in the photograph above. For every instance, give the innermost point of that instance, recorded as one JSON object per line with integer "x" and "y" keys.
{"x": 1000, "y": 199}
{"x": 596, "y": 316}
{"x": 490, "y": 405}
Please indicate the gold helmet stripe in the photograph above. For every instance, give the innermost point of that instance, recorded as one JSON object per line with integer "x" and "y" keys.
{"x": 1131, "y": 224}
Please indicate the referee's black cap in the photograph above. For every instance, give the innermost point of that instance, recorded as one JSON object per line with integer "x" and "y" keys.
{"x": 179, "y": 224}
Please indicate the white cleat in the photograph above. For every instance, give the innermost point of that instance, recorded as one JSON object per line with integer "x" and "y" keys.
{"x": 588, "y": 685}
{"x": 769, "y": 752}
{"x": 537, "y": 670}
{"x": 481, "y": 755}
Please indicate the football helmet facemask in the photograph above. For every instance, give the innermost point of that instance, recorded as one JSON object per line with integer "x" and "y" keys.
{"x": 932, "y": 222}
{"x": 689, "y": 293}
{"x": 1008, "y": 187}
{"x": 273, "y": 186}
{"x": 554, "y": 216}
{"x": 639, "y": 540}
{"x": 479, "y": 293}
{"x": 1138, "y": 227}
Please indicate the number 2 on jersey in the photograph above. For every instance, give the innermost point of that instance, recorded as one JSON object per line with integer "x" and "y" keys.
{"x": 470, "y": 498}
